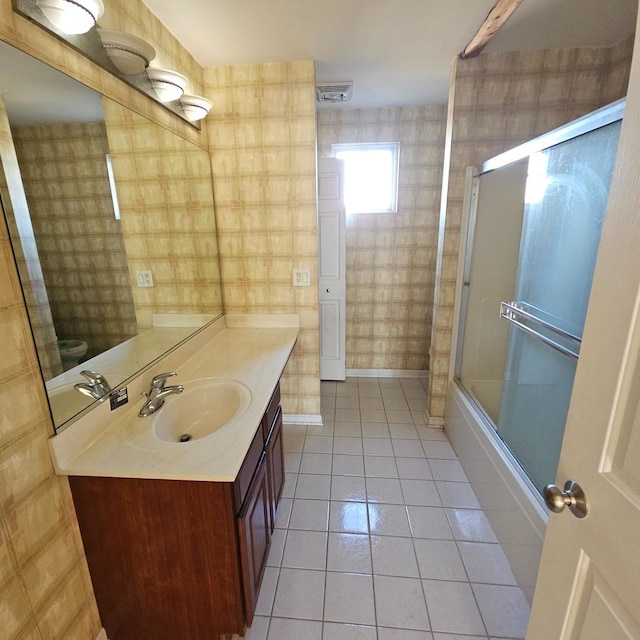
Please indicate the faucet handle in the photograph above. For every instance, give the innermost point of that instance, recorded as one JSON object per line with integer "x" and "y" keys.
{"x": 157, "y": 382}
{"x": 92, "y": 376}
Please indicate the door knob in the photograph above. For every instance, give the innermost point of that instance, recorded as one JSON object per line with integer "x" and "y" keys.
{"x": 573, "y": 497}
{"x": 328, "y": 290}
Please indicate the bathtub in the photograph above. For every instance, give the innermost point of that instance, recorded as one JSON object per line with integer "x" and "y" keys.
{"x": 512, "y": 505}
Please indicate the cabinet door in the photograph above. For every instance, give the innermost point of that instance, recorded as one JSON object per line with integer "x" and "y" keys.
{"x": 255, "y": 537}
{"x": 275, "y": 464}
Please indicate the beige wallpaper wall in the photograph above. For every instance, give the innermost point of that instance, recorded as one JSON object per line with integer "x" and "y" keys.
{"x": 262, "y": 138}
{"x": 16, "y": 211}
{"x": 499, "y": 101}
{"x": 391, "y": 258}
{"x": 45, "y": 591}
{"x": 80, "y": 244}
{"x": 168, "y": 222}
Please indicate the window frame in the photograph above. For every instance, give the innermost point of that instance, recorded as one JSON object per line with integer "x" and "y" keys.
{"x": 394, "y": 147}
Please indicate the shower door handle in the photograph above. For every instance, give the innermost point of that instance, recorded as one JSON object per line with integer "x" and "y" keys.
{"x": 573, "y": 497}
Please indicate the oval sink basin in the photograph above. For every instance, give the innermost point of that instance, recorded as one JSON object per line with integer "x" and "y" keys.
{"x": 204, "y": 407}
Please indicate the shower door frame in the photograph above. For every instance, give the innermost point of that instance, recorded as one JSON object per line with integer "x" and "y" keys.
{"x": 595, "y": 120}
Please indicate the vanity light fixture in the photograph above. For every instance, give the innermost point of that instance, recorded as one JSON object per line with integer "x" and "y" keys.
{"x": 195, "y": 107}
{"x": 72, "y": 16}
{"x": 169, "y": 85}
{"x": 131, "y": 55}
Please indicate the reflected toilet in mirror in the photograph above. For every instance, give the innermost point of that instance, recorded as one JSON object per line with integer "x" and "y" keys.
{"x": 95, "y": 195}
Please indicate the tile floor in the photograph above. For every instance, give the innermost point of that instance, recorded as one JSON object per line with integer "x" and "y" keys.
{"x": 379, "y": 535}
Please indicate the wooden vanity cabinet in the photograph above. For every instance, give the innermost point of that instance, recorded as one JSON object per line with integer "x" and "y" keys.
{"x": 182, "y": 559}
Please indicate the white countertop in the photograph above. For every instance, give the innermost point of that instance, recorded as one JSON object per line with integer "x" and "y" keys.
{"x": 250, "y": 349}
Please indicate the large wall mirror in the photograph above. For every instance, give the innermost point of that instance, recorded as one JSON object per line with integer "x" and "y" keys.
{"x": 111, "y": 219}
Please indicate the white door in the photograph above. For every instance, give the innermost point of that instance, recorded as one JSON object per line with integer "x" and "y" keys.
{"x": 589, "y": 582}
{"x": 332, "y": 256}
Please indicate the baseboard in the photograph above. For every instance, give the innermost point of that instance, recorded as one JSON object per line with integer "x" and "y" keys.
{"x": 102, "y": 635}
{"x": 388, "y": 373}
{"x": 302, "y": 418}
{"x": 433, "y": 421}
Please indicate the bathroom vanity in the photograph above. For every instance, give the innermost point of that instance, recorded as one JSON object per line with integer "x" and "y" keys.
{"x": 177, "y": 533}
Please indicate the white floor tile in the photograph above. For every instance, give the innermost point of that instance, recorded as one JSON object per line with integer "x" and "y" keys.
{"x": 349, "y": 598}
{"x": 375, "y": 430}
{"x": 402, "y": 634}
{"x": 389, "y": 520}
{"x": 318, "y": 444}
{"x": 348, "y": 446}
{"x": 380, "y": 467}
{"x": 305, "y": 550}
{"x": 350, "y": 488}
{"x": 436, "y": 449}
{"x": 399, "y": 417}
{"x": 457, "y": 494}
{"x": 316, "y": 463}
{"x": 408, "y": 448}
{"x": 413, "y": 468}
{"x": 400, "y": 603}
{"x": 486, "y": 563}
{"x": 286, "y": 629}
{"x": 429, "y": 522}
{"x": 377, "y": 447}
{"x": 278, "y": 539}
{"x": 413, "y": 521}
{"x": 347, "y": 429}
{"x": 267, "y": 591}
{"x": 394, "y": 556}
{"x": 450, "y": 470}
{"x": 259, "y": 629}
{"x": 422, "y": 493}
{"x": 344, "y": 465}
{"x": 284, "y": 513}
{"x": 312, "y": 515}
{"x": 349, "y": 552}
{"x": 403, "y": 431}
{"x": 504, "y": 610}
{"x": 313, "y": 486}
{"x": 452, "y": 607}
{"x": 471, "y": 525}
{"x": 340, "y": 631}
{"x": 300, "y": 594}
{"x": 438, "y": 560}
{"x": 348, "y": 517}
{"x": 387, "y": 490}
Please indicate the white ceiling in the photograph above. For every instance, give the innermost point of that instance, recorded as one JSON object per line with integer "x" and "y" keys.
{"x": 397, "y": 52}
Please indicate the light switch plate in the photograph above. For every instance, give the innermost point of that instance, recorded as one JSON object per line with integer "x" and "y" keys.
{"x": 144, "y": 278}
{"x": 301, "y": 278}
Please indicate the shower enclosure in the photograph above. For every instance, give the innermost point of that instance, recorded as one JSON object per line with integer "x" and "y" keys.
{"x": 534, "y": 231}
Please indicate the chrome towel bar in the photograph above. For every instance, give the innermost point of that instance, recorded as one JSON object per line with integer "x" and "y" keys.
{"x": 513, "y": 314}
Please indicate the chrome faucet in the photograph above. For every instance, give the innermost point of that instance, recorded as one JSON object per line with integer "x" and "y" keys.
{"x": 157, "y": 393}
{"x": 96, "y": 387}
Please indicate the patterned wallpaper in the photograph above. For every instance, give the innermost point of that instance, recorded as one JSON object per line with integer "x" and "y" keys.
{"x": 64, "y": 173}
{"x": 499, "y": 101}
{"x": 391, "y": 258}
{"x": 168, "y": 223}
{"x": 262, "y": 139}
{"x": 16, "y": 211}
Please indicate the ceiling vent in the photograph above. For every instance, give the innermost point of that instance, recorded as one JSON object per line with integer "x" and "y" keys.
{"x": 334, "y": 91}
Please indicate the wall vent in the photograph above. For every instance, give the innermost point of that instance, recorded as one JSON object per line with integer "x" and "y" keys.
{"x": 334, "y": 91}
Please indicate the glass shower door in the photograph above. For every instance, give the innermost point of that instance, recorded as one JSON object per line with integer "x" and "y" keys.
{"x": 566, "y": 195}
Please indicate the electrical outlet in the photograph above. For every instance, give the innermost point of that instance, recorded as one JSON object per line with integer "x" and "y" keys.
{"x": 301, "y": 278}
{"x": 144, "y": 278}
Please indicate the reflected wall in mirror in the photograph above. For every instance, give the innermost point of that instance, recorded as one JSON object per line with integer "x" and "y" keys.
{"x": 81, "y": 235}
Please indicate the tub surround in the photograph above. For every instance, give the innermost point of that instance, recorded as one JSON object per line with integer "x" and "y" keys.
{"x": 252, "y": 350}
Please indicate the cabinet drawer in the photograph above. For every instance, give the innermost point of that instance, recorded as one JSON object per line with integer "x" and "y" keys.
{"x": 243, "y": 480}
{"x": 270, "y": 413}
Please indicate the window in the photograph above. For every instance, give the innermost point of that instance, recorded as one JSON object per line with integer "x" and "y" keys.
{"x": 370, "y": 176}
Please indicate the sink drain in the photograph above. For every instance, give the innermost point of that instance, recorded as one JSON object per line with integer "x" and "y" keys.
{"x": 185, "y": 437}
